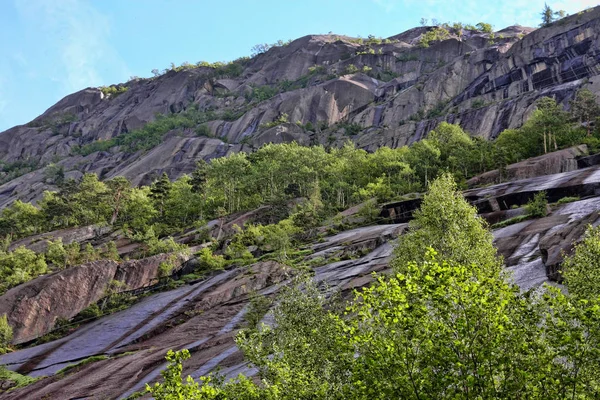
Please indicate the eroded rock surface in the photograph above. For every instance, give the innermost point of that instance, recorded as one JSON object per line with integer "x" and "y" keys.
{"x": 400, "y": 92}
{"x": 33, "y": 307}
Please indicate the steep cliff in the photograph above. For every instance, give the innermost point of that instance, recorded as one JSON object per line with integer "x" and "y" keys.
{"x": 328, "y": 88}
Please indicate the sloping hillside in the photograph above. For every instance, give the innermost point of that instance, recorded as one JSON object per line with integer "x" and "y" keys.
{"x": 317, "y": 89}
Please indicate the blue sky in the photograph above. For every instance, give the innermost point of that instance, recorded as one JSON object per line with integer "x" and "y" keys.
{"x": 51, "y": 48}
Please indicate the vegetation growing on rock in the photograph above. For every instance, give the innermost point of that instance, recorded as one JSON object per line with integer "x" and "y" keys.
{"x": 436, "y": 328}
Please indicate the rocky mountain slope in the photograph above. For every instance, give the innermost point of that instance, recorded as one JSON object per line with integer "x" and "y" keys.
{"x": 322, "y": 89}
{"x": 316, "y": 89}
{"x": 203, "y": 316}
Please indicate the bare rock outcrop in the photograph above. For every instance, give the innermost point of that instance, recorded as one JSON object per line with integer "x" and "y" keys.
{"x": 547, "y": 164}
{"x": 34, "y": 307}
{"x": 395, "y": 90}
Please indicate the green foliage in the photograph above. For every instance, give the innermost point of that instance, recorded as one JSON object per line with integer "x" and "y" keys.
{"x": 151, "y": 134}
{"x": 585, "y": 109}
{"x": 113, "y": 90}
{"x": 56, "y": 254}
{"x": 281, "y": 119}
{"x": 350, "y": 128}
{"x": 174, "y": 387}
{"x": 6, "y": 333}
{"x": 12, "y": 170}
{"x": 437, "y": 110}
{"x": 19, "y": 266}
{"x": 14, "y": 379}
{"x": 257, "y": 308}
{"x": 434, "y": 35}
{"x": 485, "y": 27}
{"x": 581, "y": 270}
{"x": 304, "y": 353}
{"x": 351, "y": 69}
{"x": 20, "y": 220}
{"x": 210, "y": 262}
{"x": 478, "y": 103}
{"x": 262, "y": 93}
{"x": 538, "y": 206}
{"x": 425, "y": 327}
{"x": 203, "y": 130}
{"x": 85, "y": 361}
{"x": 449, "y": 325}
{"x": 54, "y": 174}
{"x": 448, "y": 224}
{"x": 567, "y": 199}
{"x": 549, "y": 16}
{"x": 166, "y": 267}
{"x": 511, "y": 221}
{"x": 158, "y": 246}
{"x": 264, "y": 47}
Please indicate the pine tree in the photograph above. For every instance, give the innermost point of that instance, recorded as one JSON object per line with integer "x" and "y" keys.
{"x": 159, "y": 191}
{"x": 547, "y": 15}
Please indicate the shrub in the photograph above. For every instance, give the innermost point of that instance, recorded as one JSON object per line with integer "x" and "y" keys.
{"x": 6, "y": 333}
{"x": 203, "y": 130}
{"x": 113, "y": 90}
{"x": 582, "y": 269}
{"x": 538, "y": 206}
{"x": 433, "y": 35}
{"x": 478, "y": 103}
{"x": 351, "y": 128}
{"x": 484, "y": 27}
{"x": 210, "y": 262}
{"x": 351, "y": 69}
{"x": 567, "y": 199}
{"x": 282, "y": 119}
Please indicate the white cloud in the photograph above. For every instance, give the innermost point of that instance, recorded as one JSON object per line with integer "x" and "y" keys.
{"x": 74, "y": 39}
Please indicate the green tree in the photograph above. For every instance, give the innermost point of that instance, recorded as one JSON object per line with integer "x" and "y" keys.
{"x": 119, "y": 188}
{"x": 424, "y": 160}
{"x": 90, "y": 202}
{"x": 56, "y": 253}
{"x": 448, "y": 224}
{"x": 581, "y": 270}
{"x": 454, "y": 145}
{"x": 485, "y": 27}
{"x": 89, "y": 254}
{"x": 139, "y": 211}
{"x": 110, "y": 251}
{"x": 174, "y": 387}
{"x": 20, "y": 219}
{"x": 20, "y": 265}
{"x": 442, "y": 330}
{"x": 159, "y": 191}
{"x": 72, "y": 254}
{"x": 547, "y": 15}
{"x": 585, "y": 108}
{"x": 304, "y": 354}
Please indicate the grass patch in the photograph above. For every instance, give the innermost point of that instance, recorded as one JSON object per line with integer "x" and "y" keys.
{"x": 511, "y": 221}
{"x": 568, "y": 199}
{"x": 81, "y": 363}
{"x": 18, "y": 379}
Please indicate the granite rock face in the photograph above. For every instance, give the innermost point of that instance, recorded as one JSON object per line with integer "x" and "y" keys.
{"x": 204, "y": 315}
{"x": 34, "y": 307}
{"x": 395, "y": 90}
